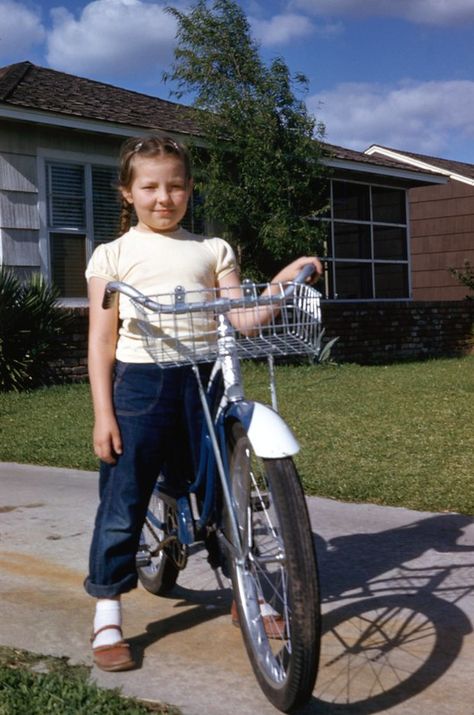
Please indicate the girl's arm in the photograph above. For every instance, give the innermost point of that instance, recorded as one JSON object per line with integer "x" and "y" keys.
{"x": 246, "y": 320}
{"x": 103, "y": 331}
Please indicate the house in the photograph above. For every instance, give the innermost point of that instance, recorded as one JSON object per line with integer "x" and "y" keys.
{"x": 441, "y": 224}
{"x": 59, "y": 139}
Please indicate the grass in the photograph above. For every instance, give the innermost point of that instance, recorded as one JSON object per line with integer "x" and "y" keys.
{"x": 399, "y": 434}
{"x": 37, "y": 685}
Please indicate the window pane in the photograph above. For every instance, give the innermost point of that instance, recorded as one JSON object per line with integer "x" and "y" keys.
{"x": 388, "y": 205}
{"x": 351, "y": 201}
{"x": 105, "y": 203}
{"x": 352, "y": 240}
{"x": 390, "y": 243}
{"x": 353, "y": 280}
{"x": 66, "y": 195}
{"x": 391, "y": 280}
{"x": 194, "y": 218}
{"x": 68, "y": 263}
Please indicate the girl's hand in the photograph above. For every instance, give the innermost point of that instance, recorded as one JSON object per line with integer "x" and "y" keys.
{"x": 107, "y": 440}
{"x": 290, "y": 271}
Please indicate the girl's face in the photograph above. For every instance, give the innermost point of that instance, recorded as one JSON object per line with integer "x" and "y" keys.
{"x": 159, "y": 192}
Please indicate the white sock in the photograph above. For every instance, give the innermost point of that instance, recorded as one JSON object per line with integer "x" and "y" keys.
{"x": 266, "y": 609}
{"x": 108, "y": 612}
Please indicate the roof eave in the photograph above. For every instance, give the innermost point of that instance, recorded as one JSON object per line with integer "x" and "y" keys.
{"x": 423, "y": 165}
{"x": 418, "y": 177}
{"x": 95, "y": 126}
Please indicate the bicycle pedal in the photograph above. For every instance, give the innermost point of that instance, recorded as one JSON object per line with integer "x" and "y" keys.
{"x": 142, "y": 558}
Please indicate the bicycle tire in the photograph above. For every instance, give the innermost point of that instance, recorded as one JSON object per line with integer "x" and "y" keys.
{"x": 279, "y": 569}
{"x": 160, "y": 565}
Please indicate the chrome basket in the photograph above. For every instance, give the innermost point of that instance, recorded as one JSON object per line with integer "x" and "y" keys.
{"x": 187, "y": 332}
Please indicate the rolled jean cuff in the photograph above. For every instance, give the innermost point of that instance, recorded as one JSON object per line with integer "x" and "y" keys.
{"x": 112, "y": 589}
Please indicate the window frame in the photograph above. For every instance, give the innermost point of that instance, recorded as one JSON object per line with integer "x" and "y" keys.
{"x": 331, "y": 260}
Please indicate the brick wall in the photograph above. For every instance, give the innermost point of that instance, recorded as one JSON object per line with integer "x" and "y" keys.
{"x": 369, "y": 333}
{"x": 378, "y": 333}
{"x": 72, "y": 366}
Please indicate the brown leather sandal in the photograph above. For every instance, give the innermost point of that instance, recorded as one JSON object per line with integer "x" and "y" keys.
{"x": 274, "y": 625}
{"x": 113, "y": 657}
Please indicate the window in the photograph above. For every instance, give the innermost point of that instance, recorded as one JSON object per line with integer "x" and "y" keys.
{"x": 82, "y": 211}
{"x": 366, "y": 242}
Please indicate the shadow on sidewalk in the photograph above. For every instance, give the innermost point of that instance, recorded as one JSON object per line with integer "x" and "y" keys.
{"x": 399, "y": 627}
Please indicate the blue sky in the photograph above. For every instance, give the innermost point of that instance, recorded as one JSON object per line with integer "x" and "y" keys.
{"x": 393, "y": 72}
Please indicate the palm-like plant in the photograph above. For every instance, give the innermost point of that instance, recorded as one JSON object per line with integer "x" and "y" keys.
{"x": 32, "y": 331}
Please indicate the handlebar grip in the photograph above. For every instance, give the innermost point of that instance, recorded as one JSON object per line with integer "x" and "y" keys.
{"x": 306, "y": 272}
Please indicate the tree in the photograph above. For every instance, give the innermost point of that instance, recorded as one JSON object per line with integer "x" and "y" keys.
{"x": 260, "y": 172}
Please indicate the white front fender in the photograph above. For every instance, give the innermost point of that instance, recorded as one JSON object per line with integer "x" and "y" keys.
{"x": 268, "y": 433}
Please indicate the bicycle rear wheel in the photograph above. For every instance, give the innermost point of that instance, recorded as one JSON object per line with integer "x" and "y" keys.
{"x": 276, "y": 584}
{"x": 161, "y": 556}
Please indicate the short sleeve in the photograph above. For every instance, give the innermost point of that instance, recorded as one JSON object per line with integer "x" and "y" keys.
{"x": 103, "y": 263}
{"x": 226, "y": 261}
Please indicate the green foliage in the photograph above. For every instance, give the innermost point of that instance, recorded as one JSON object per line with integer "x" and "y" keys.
{"x": 260, "y": 173}
{"x": 465, "y": 277}
{"x": 31, "y": 329}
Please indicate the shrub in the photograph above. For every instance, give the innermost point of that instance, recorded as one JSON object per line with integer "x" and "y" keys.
{"x": 32, "y": 330}
{"x": 465, "y": 277}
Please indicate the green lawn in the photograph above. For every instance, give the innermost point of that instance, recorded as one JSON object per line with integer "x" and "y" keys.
{"x": 399, "y": 434}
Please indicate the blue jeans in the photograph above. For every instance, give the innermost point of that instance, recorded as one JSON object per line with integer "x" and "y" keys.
{"x": 160, "y": 419}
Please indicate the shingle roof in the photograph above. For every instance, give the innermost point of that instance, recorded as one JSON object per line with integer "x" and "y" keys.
{"x": 454, "y": 167}
{"x": 27, "y": 85}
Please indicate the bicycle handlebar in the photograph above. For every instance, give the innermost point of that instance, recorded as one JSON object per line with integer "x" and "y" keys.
{"x": 219, "y": 305}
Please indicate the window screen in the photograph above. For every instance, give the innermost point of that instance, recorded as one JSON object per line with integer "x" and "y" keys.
{"x": 66, "y": 195}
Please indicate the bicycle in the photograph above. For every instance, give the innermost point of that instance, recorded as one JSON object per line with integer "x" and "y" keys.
{"x": 246, "y": 501}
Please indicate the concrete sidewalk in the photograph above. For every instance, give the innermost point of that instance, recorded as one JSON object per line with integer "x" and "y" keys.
{"x": 397, "y": 590}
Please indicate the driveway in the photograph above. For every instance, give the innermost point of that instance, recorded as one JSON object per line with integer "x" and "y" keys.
{"x": 397, "y": 590}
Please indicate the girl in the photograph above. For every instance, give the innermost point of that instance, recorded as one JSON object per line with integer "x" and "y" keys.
{"x": 142, "y": 412}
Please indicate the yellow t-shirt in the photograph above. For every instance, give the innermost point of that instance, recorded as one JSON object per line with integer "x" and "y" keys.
{"x": 155, "y": 264}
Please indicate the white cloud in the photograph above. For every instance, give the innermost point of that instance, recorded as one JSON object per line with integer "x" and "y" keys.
{"x": 122, "y": 38}
{"x": 423, "y": 117}
{"x": 430, "y": 12}
{"x": 281, "y": 29}
{"x": 286, "y": 28}
{"x": 20, "y": 30}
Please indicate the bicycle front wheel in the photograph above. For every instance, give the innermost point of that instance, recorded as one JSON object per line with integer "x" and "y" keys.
{"x": 276, "y": 582}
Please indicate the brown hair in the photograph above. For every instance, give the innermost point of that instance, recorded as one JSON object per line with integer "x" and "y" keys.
{"x": 147, "y": 146}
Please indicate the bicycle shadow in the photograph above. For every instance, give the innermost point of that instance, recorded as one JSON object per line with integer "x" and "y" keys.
{"x": 399, "y": 628}
{"x": 350, "y": 564}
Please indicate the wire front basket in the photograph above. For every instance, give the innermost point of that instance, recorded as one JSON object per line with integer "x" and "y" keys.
{"x": 187, "y": 332}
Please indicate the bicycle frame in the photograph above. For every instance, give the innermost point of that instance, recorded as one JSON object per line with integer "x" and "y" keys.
{"x": 275, "y": 440}
{"x": 269, "y": 435}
